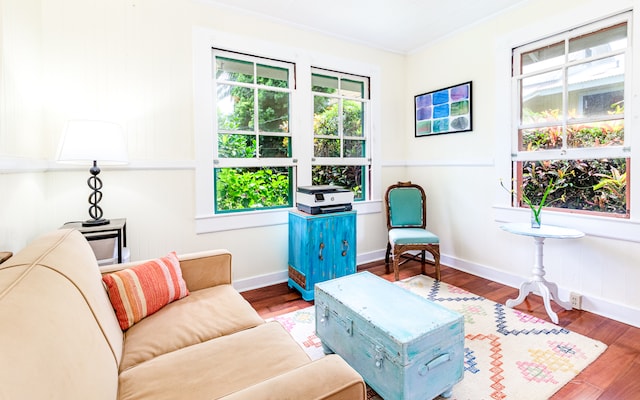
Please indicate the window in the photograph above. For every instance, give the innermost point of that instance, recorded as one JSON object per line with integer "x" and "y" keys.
{"x": 253, "y": 147}
{"x": 254, "y": 129}
{"x": 340, "y": 131}
{"x": 570, "y": 119}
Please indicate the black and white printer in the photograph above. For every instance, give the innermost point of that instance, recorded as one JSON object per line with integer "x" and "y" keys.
{"x": 324, "y": 199}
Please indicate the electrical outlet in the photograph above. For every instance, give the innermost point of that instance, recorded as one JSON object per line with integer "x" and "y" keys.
{"x": 576, "y": 301}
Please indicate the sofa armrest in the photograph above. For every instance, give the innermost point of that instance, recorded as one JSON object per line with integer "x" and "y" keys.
{"x": 199, "y": 270}
{"x": 327, "y": 378}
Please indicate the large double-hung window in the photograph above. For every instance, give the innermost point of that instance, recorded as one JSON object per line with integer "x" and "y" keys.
{"x": 258, "y": 158}
{"x": 571, "y": 90}
{"x": 340, "y": 130}
{"x": 253, "y": 156}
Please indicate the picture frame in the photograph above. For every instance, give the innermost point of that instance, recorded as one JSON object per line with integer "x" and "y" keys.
{"x": 441, "y": 111}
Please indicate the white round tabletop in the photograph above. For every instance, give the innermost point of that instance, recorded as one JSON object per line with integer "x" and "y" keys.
{"x": 545, "y": 231}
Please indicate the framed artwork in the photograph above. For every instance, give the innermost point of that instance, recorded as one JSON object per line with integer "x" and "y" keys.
{"x": 445, "y": 110}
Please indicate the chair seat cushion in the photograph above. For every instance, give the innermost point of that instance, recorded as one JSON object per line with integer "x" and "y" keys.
{"x": 412, "y": 236}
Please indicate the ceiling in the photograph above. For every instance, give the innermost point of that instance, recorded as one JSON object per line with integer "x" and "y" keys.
{"x": 400, "y": 26}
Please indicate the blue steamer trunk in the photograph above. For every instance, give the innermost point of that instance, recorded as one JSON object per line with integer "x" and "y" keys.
{"x": 404, "y": 346}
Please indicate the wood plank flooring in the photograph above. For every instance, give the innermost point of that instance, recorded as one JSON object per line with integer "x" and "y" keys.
{"x": 615, "y": 375}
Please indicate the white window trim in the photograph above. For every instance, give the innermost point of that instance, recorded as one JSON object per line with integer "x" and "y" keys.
{"x": 204, "y": 40}
{"x": 605, "y": 227}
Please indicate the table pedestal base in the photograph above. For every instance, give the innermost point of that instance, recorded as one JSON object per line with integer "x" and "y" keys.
{"x": 548, "y": 290}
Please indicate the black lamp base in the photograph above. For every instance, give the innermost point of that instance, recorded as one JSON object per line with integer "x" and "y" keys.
{"x": 95, "y": 222}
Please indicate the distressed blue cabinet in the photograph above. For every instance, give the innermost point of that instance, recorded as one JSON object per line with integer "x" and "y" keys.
{"x": 321, "y": 247}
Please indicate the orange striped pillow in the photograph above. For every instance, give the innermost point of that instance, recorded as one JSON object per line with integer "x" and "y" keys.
{"x": 144, "y": 289}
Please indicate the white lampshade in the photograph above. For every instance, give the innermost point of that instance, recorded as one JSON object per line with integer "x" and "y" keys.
{"x": 86, "y": 140}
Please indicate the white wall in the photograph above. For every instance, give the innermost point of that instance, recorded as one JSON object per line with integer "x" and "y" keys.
{"x": 130, "y": 61}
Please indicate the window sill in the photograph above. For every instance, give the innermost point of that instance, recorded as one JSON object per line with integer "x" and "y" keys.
{"x": 609, "y": 228}
{"x": 254, "y": 219}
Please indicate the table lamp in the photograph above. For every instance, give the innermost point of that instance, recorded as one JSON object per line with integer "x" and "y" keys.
{"x": 85, "y": 141}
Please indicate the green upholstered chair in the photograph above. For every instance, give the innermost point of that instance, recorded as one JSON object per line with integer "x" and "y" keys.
{"x": 406, "y": 222}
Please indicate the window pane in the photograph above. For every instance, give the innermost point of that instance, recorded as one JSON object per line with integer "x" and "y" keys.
{"x": 228, "y": 69}
{"x": 236, "y": 146}
{"x": 541, "y": 97}
{"x": 596, "y": 134}
{"x": 354, "y": 148}
{"x": 601, "y": 104}
{"x": 600, "y": 42}
{"x": 273, "y": 76}
{"x": 324, "y": 84}
{"x": 326, "y": 147}
{"x": 590, "y": 185}
{"x": 275, "y": 146}
{"x": 325, "y": 117}
{"x": 252, "y": 188}
{"x": 541, "y": 138}
{"x": 542, "y": 58}
{"x": 273, "y": 108}
{"x": 235, "y": 108}
{"x": 354, "y": 89}
{"x": 347, "y": 176}
{"x": 353, "y": 114}
{"x": 596, "y": 88}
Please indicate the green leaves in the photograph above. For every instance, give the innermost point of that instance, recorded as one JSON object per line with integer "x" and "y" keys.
{"x": 251, "y": 188}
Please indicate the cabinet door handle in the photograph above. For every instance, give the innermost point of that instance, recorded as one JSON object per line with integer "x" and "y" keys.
{"x": 320, "y": 256}
{"x": 345, "y": 247}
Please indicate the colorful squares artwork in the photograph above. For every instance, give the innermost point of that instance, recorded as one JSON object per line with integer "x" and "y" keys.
{"x": 446, "y": 110}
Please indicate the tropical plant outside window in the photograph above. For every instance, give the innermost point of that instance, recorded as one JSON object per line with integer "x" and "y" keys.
{"x": 339, "y": 138}
{"x": 571, "y": 118}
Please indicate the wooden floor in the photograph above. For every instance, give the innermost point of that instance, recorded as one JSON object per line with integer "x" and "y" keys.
{"x": 615, "y": 375}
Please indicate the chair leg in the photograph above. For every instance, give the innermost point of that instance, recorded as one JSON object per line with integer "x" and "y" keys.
{"x": 386, "y": 258}
{"x": 436, "y": 259}
{"x": 424, "y": 269}
{"x": 396, "y": 268}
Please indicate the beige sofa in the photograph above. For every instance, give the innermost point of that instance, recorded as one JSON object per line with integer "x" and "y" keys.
{"x": 60, "y": 339}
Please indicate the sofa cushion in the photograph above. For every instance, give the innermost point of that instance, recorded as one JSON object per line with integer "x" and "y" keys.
{"x": 144, "y": 289}
{"x": 203, "y": 315}
{"x": 215, "y": 368}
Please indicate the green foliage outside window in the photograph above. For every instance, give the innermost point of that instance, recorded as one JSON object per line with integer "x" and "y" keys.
{"x": 598, "y": 185}
{"x": 347, "y": 176}
{"x": 589, "y": 185}
{"x": 252, "y": 188}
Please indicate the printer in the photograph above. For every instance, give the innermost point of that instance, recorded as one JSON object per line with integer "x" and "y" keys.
{"x": 323, "y": 199}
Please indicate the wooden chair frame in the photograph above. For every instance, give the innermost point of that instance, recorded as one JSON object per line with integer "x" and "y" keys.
{"x": 399, "y": 250}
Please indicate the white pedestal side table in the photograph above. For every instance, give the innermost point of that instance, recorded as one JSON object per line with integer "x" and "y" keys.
{"x": 548, "y": 290}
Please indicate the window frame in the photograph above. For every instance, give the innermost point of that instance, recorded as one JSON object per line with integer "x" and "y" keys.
{"x": 342, "y": 160}
{"x": 258, "y": 161}
{"x": 301, "y": 120}
{"x": 565, "y": 152}
{"x": 594, "y": 225}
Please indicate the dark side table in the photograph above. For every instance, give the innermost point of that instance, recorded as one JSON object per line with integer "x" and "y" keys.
{"x": 116, "y": 228}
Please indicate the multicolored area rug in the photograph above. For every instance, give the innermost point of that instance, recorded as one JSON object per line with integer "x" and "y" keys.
{"x": 508, "y": 354}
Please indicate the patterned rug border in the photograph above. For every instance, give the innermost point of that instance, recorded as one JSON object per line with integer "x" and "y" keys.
{"x": 504, "y": 356}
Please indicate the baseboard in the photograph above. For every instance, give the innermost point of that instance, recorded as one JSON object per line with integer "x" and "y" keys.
{"x": 260, "y": 281}
{"x": 593, "y": 304}
{"x": 606, "y": 308}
